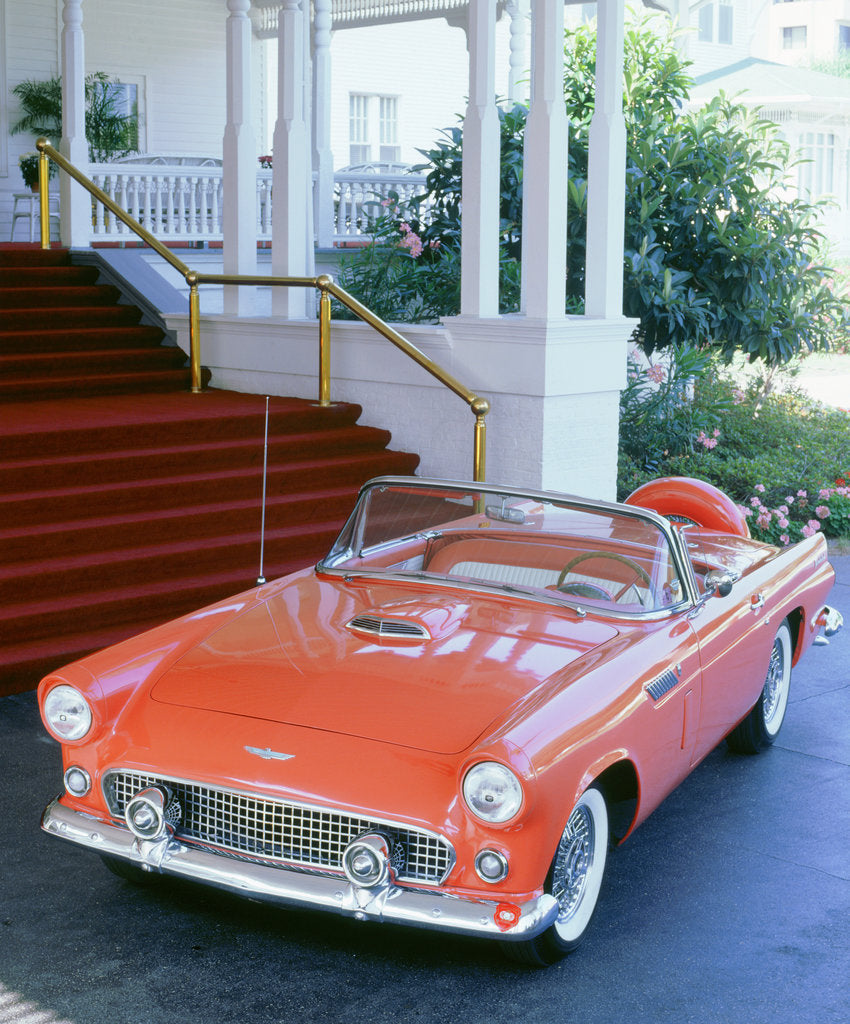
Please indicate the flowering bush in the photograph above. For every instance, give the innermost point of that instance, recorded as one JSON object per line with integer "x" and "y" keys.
{"x": 798, "y": 516}
{"x": 781, "y": 456}
{"x": 397, "y": 275}
{"x": 265, "y": 161}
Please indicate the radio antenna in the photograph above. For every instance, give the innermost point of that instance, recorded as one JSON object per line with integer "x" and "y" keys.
{"x": 261, "y": 578}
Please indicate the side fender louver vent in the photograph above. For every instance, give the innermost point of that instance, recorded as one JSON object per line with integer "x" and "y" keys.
{"x": 397, "y": 629}
{"x": 663, "y": 684}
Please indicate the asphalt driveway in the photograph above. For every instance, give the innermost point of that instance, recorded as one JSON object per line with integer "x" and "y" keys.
{"x": 730, "y": 904}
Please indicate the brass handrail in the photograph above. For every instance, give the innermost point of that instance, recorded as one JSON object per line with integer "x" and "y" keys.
{"x": 324, "y": 284}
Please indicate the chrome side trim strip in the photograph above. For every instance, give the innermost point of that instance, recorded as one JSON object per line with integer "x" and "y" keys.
{"x": 419, "y": 908}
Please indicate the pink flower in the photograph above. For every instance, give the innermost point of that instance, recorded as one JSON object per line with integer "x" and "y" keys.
{"x": 783, "y": 522}
{"x": 786, "y": 540}
{"x": 738, "y": 396}
{"x": 656, "y": 373}
{"x": 411, "y": 240}
{"x": 783, "y": 509}
{"x": 715, "y": 432}
{"x": 802, "y": 494}
{"x": 825, "y": 493}
{"x": 759, "y": 488}
{"x": 755, "y": 502}
{"x": 811, "y": 528}
{"x": 789, "y": 500}
{"x": 763, "y": 520}
{"x": 821, "y": 511}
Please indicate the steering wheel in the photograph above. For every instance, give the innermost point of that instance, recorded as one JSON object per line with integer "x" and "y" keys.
{"x": 582, "y": 588}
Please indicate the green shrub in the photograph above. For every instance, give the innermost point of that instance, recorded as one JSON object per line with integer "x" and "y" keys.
{"x": 783, "y": 457}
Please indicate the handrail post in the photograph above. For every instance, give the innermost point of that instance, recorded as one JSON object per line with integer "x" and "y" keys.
{"x": 43, "y": 199}
{"x": 322, "y": 284}
{"x": 194, "y": 333}
{"x": 480, "y": 408}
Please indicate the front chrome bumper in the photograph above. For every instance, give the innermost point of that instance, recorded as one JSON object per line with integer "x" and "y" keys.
{"x": 420, "y": 908}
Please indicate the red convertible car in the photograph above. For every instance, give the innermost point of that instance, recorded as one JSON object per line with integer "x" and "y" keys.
{"x": 449, "y": 719}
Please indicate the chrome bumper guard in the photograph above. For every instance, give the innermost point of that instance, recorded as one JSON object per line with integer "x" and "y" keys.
{"x": 830, "y": 620}
{"x": 419, "y": 908}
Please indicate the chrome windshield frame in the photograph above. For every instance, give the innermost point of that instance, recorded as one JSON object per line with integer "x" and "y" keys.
{"x": 677, "y": 545}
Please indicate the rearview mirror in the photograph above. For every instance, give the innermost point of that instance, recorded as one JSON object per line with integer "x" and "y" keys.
{"x": 718, "y": 583}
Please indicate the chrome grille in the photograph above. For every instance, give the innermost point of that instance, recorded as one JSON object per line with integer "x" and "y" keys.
{"x": 258, "y": 827}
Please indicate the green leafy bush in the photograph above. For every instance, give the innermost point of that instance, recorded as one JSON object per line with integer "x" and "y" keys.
{"x": 714, "y": 258}
{"x": 783, "y": 457}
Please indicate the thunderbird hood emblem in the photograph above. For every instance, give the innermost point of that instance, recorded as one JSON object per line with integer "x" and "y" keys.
{"x": 268, "y": 754}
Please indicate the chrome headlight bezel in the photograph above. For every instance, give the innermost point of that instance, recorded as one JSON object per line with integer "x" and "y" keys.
{"x": 67, "y": 714}
{"x": 492, "y": 792}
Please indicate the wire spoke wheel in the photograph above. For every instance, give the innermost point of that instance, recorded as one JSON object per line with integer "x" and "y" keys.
{"x": 574, "y": 879}
{"x": 573, "y": 862}
{"x": 761, "y": 726}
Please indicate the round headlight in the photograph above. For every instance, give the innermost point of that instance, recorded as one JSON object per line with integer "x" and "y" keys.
{"x": 492, "y": 792}
{"x": 67, "y": 713}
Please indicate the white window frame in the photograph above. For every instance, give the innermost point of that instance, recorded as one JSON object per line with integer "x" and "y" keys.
{"x": 787, "y": 37}
{"x": 709, "y": 22}
{"x": 373, "y": 128}
{"x": 816, "y": 175}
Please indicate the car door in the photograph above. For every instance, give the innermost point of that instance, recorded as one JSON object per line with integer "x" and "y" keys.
{"x": 735, "y": 636}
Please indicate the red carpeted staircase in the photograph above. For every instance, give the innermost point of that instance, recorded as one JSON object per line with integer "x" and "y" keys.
{"x": 124, "y": 499}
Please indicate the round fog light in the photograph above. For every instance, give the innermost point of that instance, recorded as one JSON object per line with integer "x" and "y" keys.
{"x": 366, "y": 861}
{"x": 77, "y": 780}
{"x": 145, "y": 814}
{"x": 491, "y": 866}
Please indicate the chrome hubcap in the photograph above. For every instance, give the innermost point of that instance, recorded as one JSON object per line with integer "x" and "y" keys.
{"x": 772, "y": 693}
{"x": 573, "y": 862}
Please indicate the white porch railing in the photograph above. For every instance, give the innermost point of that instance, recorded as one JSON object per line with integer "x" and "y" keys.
{"x": 180, "y": 198}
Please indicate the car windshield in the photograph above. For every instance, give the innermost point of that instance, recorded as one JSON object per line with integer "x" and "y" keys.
{"x": 607, "y": 557}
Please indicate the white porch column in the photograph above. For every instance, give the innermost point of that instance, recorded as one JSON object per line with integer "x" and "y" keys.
{"x": 479, "y": 291}
{"x": 239, "y": 171}
{"x": 518, "y": 60}
{"x": 291, "y": 174}
{"x": 74, "y": 201}
{"x": 544, "y": 195}
{"x": 322, "y": 155}
{"x": 606, "y": 169}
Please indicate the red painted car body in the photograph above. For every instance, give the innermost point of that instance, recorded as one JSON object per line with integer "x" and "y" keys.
{"x": 437, "y": 724}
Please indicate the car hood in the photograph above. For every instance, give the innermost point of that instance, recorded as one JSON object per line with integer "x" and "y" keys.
{"x": 296, "y": 659}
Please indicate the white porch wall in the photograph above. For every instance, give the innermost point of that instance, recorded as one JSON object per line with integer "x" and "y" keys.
{"x": 179, "y": 52}
{"x": 31, "y": 50}
{"x": 554, "y": 395}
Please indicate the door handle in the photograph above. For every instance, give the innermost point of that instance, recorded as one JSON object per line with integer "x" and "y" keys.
{"x": 756, "y": 602}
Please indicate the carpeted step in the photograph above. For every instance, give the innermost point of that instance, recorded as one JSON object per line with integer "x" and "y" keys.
{"x": 94, "y": 384}
{"x": 150, "y": 601}
{"x": 32, "y": 256}
{"x": 105, "y": 532}
{"x": 90, "y": 362}
{"x": 141, "y": 463}
{"x": 166, "y": 492}
{"x": 65, "y": 319}
{"x": 47, "y": 277}
{"x": 97, "y": 424}
{"x": 143, "y": 562}
{"x": 39, "y": 298}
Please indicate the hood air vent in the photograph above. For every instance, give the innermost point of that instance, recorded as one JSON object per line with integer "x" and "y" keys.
{"x": 397, "y": 629}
